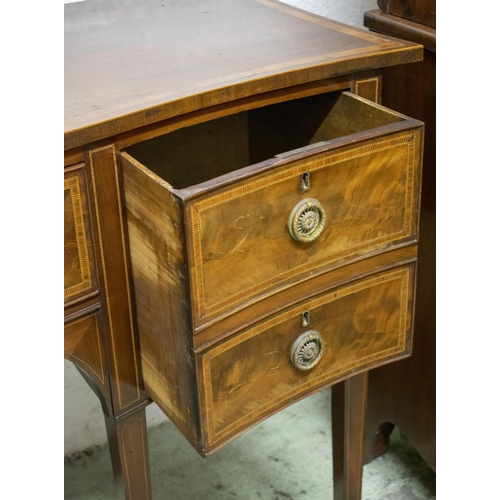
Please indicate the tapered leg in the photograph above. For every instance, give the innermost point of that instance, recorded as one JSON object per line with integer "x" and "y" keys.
{"x": 128, "y": 444}
{"x": 348, "y": 421}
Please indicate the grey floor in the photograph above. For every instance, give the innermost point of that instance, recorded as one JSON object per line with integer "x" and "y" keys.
{"x": 287, "y": 457}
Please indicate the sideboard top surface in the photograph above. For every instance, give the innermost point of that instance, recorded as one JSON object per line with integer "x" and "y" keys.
{"x": 130, "y": 63}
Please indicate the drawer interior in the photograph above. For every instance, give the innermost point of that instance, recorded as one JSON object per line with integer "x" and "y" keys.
{"x": 195, "y": 154}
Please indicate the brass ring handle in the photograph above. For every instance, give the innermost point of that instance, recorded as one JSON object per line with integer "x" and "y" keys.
{"x": 307, "y": 350}
{"x": 306, "y": 220}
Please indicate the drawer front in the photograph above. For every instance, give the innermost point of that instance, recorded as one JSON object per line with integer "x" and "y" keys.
{"x": 251, "y": 375}
{"x": 79, "y": 266}
{"x": 242, "y": 247}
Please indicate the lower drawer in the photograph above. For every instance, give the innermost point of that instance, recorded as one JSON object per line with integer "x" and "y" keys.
{"x": 301, "y": 350}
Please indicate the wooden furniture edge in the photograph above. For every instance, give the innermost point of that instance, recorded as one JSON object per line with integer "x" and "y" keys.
{"x": 381, "y": 22}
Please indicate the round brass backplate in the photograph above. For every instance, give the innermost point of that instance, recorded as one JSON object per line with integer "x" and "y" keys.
{"x": 307, "y": 350}
{"x": 306, "y": 220}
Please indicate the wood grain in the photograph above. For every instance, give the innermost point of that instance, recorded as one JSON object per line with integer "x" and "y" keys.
{"x": 161, "y": 288}
{"x": 83, "y": 346}
{"x": 150, "y": 131}
{"x": 116, "y": 295}
{"x": 396, "y": 393}
{"x": 369, "y": 88}
{"x": 250, "y": 376}
{"x": 403, "y": 28}
{"x": 128, "y": 446}
{"x": 370, "y": 207}
{"x": 294, "y": 293}
{"x": 419, "y": 11}
{"x": 145, "y": 66}
{"x": 80, "y": 279}
{"x": 348, "y": 423}
{"x": 237, "y": 212}
{"x": 165, "y": 328}
{"x": 226, "y": 91}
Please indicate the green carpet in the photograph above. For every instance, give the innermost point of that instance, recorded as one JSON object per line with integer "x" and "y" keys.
{"x": 287, "y": 457}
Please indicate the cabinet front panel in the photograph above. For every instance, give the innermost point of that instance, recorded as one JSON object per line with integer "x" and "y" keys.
{"x": 83, "y": 345}
{"x": 79, "y": 266}
{"x": 251, "y": 375}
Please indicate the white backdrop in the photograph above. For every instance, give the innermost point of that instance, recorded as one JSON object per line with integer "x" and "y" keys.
{"x": 83, "y": 420}
{"x": 346, "y": 11}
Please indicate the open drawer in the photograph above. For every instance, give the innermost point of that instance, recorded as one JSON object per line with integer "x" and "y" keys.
{"x": 224, "y": 213}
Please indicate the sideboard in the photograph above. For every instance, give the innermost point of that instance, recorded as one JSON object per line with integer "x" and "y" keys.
{"x": 241, "y": 219}
{"x": 403, "y": 390}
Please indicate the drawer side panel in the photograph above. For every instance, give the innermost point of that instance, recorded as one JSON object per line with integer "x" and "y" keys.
{"x": 154, "y": 218}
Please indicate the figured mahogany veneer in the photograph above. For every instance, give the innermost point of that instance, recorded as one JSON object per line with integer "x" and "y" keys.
{"x": 418, "y": 11}
{"x": 397, "y": 393}
{"x": 249, "y": 376}
{"x": 79, "y": 265}
{"x": 193, "y": 130}
{"x": 192, "y": 247}
{"x": 84, "y": 346}
{"x": 364, "y": 171}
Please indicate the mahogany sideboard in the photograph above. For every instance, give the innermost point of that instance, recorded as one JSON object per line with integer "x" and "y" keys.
{"x": 241, "y": 219}
{"x": 404, "y": 394}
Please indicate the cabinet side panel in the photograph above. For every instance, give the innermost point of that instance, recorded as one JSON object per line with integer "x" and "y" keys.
{"x": 154, "y": 218}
